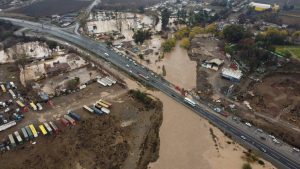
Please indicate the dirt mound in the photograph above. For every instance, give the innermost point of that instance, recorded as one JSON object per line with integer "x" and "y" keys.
{"x": 93, "y": 143}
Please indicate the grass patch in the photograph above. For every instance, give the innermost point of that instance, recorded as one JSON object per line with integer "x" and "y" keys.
{"x": 293, "y": 50}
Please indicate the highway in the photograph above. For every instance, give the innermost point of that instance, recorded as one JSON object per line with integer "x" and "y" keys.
{"x": 280, "y": 159}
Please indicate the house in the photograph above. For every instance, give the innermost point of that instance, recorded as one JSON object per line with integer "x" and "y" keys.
{"x": 231, "y": 74}
{"x": 213, "y": 64}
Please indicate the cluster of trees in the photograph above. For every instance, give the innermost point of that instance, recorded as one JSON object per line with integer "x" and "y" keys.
{"x": 168, "y": 45}
{"x": 165, "y": 17}
{"x": 234, "y": 33}
{"x": 272, "y": 36}
{"x": 141, "y": 35}
{"x": 73, "y": 83}
{"x": 144, "y": 98}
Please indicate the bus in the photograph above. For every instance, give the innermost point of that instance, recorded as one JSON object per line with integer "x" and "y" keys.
{"x": 190, "y": 101}
{"x": 102, "y": 104}
{"x": 105, "y": 102}
{"x": 33, "y": 130}
{"x": 12, "y": 94}
{"x": 43, "y": 130}
{"x": 3, "y": 88}
{"x": 85, "y": 107}
{"x": 20, "y": 104}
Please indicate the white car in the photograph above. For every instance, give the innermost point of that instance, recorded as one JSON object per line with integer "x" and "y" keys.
{"x": 127, "y": 65}
{"x": 276, "y": 141}
{"x": 243, "y": 137}
{"x": 106, "y": 54}
{"x": 259, "y": 130}
{"x": 248, "y": 124}
{"x": 130, "y": 71}
{"x": 296, "y": 149}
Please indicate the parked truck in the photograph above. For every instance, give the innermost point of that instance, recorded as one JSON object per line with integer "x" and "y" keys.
{"x": 12, "y": 94}
{"x": 74, "y": 115}
{"x": 43, "y": 130}
{"x": 54, "y": 127}
{"x": 97, "y": 111}
{"x": 33, "y": 130}
{"x": 48, "y": 128}
{"x": 25, "y": 135}
{"x": 12, "y": 140}
{"x": 19, "y": 138}
{"x": 70, "y": 119}
{"x": 85, "y": 107}
{"x": 29, "y": 132}
{"x": 105, "y": 110}
{"x": 65, "y": 122}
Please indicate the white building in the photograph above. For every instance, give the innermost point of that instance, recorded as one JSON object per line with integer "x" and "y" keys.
{"x": 231, "y": 74}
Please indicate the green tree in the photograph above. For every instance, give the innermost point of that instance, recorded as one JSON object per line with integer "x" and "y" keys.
{"x": 168, "y": 45}
{"x": 234, "y": 33}
{"x": 181, "y": 33}
{"x": 185, "y": 43}
{"x": 165, "y": 16}
{"x": 141, "y": 35}
{"x": 164, "y": 72}
{"x": 73, "y": 83}
{"x": 247, "y": 166}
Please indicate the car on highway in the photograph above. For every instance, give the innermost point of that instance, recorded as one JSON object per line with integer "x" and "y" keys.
{"x": 259, "y": 130}
{"x": 263, "y": 149}
{"x": 271, "y": 136}
{"x": 130, "y": 71}
{"x": 106, "y": 54}
{"x": 243, "y": 137}
{"x": 276, "y": 141}
{"x": 248, "y": 124}
{"x": 127, "y": 65}
{"x": 296, "y": 150}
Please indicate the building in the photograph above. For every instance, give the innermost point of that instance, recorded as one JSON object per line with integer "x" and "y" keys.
{"x": 213, "y": 64}
{"x": 231, "y": 74}
{"x": 260, "y": 7}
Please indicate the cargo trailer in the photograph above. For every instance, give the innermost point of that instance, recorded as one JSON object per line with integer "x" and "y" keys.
{"x": 85, "y": 107}
{"x": 18, "y": 137}
{"x": 12, "y": 140}
{"x": 64, "y": 122}
{"x": 70, "y": 119}
{"x": 97, "y": 111}
{"x": 43, "y": 130}
{"x": 48, "y": 128}
{"x": 25, "y": 135}
{"x": 33, "y": 130}
{"x": 74, "y": 115}
{"x": 105, "y": 110}
{"x": 28, "y": 130}
{"x": 54, "y": 127}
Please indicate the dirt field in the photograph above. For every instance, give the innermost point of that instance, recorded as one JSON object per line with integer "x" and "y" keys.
{"x": 129, "y": 135}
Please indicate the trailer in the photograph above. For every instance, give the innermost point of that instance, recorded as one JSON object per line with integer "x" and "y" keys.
{"x": 143, "y": 76}
{"x": 3, "y": 88}
{"x": 12, "y": 140}
{"x": 48, "y": 128}
{"x": 105, "y": 110}
{"x": 25, "y": 135}
{"x": 33, "y": 130}
{"x": 105, "y": 102}
{"x": 101, "y": 104}
{"x": 108, "y": 82}
{"x": 74, "y": 115}
{"x": 54, "y": 127}
{"x": 85, "y": 107}
{"x": 70, "y": 119}
{"x": 19, "y": 138}
{"x": 97, "y": 111}
{"x": 39, "y": 106}
{"x": 8, "y": 125}
{"x": 103, "y": 83}
{"x": 43, "y": 130}
{"x": 111, "y": 79}
{"x": 33, "y": 106}
{"x": 190, "y": 101}
{"x": 64, "y": 122}
{"x": 12, "y": 94}
{"x": 30, "y": 135}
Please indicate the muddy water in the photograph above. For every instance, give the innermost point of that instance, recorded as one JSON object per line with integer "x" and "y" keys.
{"x": 181, "y": 71}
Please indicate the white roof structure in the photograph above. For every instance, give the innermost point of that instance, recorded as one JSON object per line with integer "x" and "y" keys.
{"x": 260, "y": 5}
{"x": 216, "y": 61}
{"x": 232, "y": 74}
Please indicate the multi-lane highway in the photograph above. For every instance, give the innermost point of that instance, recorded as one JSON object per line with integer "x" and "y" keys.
{"x": 279, "y": 158}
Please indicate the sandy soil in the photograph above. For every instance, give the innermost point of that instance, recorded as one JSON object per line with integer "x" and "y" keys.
{"x": 186, "y": 141}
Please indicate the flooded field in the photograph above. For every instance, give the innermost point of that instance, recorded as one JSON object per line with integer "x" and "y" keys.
{"x": 52, "y": 7}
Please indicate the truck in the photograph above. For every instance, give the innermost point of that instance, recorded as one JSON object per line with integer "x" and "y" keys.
{"x": 33, "y": 106}
{"x": 143, "y": 76}
{"x": 33, "y": 130}
{"x": 19, "y": 138}
{"x": 30, "y": 135}
{"x": 12, "y": 84}
{"x": 98, "y": 106}
{"x": 3, "y": 88}
{"x": 74, "y": 115}
{"x": 12, "y": 94}
{"x": 49, "y": 129}
{"x": 103, "y": 83}
{"x": 54, "y": 127}
{"x": 25, "y": 135}
{"x": 12, "y": 140}
{"x": 43, "y": 130}
{"x": 105, "y": 102}
{"x": 64, "y": 122}
{"x": 85, "y": 107}
{"x": 39, "y": 106}
{"x": 113, "y": 81}
{"x": 224, "y": 113}
{"x": 97, "y": 111}
{"x": 105, "y": 110}
{"x": 70, "y": 119}
{"x": 190, "y": 101}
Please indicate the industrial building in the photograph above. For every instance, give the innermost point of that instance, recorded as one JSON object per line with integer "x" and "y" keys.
{"x": 263, "y": 7}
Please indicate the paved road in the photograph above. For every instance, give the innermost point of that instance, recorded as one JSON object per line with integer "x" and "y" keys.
{"x": 282, "y": 160}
